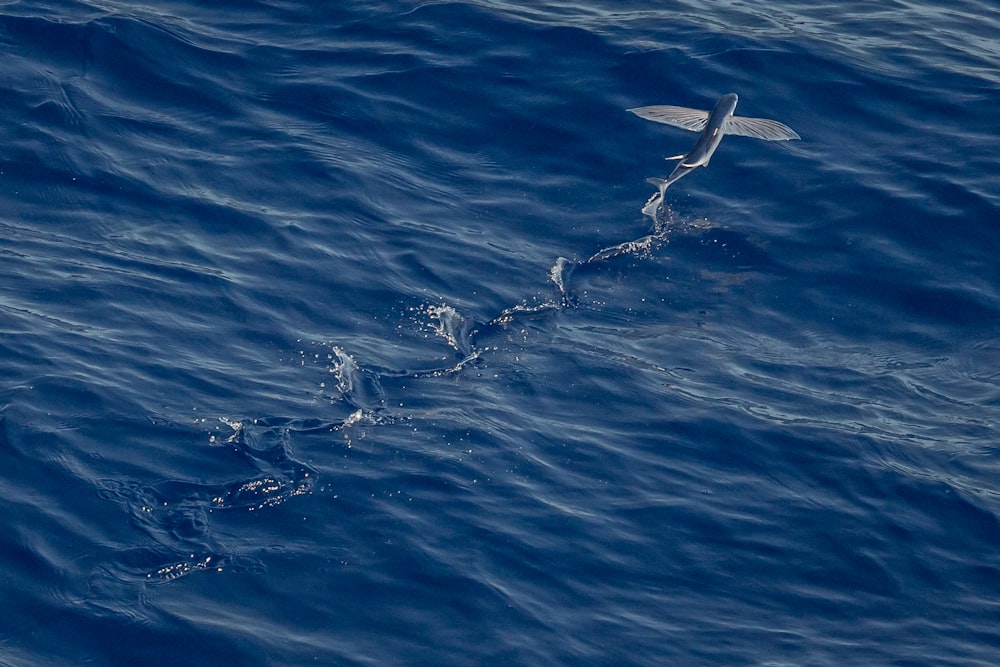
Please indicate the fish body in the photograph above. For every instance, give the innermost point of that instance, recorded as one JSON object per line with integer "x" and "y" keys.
{"x": 713, "y": 126}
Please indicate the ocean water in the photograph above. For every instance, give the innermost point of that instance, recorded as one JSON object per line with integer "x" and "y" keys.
{"x": 334, "y": 333}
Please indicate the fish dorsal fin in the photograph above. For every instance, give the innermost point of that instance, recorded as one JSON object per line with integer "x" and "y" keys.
{"x": 688, "y": 119}
{"x": 759, "y": 128}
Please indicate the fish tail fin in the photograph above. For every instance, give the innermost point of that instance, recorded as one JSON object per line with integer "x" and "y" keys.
{"x": 656, "y": 201}
{"x": 659, "y": 183}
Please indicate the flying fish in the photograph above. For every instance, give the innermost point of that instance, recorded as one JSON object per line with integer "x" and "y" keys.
{"x": 712, "y": 125}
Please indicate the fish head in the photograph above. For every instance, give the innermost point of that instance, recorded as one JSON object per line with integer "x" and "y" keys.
{"x": 726, "y": 104}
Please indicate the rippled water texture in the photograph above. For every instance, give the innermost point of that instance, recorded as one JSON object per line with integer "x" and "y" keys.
{"x": 337, "y": 335}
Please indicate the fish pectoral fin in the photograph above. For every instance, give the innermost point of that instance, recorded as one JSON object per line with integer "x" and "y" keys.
{"x": 759, "y": 128}
{"x": 688, "y": 119}
{"x": 676, "y": 157}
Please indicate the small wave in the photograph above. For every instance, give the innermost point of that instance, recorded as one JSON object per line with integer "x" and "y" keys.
{"x": 176, "y": 514}
{"x": 450, "y": 325}
{"x": 359, "y": 387}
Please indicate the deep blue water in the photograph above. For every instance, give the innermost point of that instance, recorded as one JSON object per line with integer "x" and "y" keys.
{"x": 336, "y": 335}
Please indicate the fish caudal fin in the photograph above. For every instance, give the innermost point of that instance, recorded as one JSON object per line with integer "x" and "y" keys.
{"x": 656, "y": 201}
